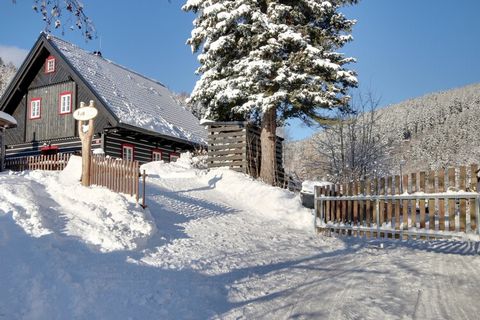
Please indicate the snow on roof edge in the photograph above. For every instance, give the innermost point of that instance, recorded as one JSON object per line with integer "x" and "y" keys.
{"x": 5, "y": 117}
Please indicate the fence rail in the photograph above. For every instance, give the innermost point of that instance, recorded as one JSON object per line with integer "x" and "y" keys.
{"x": 439, "y": 204}
{"x": 42, "y": 162}
{"x": 116, "y": 174}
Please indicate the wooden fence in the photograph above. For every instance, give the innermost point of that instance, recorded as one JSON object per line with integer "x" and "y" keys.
{"x": 116, "y": 174}
{"x": 236, "y": 145}
{"x": 437, "y": 204}
{"x": 42, "y": 162}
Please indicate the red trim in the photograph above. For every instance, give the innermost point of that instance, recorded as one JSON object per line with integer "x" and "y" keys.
{"x": 157, "y": 151}
{"x": 174, "y": 154}
{"x": 50, "y": 58}
{"x": 46, "y": 148}
{"x": 39, "y": 109}
{"x": 128, "y": 145}
{"x": 60, "y": 102}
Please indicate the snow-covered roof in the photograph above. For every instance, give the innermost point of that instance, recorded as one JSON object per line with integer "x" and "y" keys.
{"x": 134, "y": 99}
{"x": 7, "y": 120}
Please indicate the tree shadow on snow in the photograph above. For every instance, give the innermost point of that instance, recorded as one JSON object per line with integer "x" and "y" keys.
{"x": 212, "y": 184}
{"x": 171, "y": 209}
{"x": 441, "y": 246}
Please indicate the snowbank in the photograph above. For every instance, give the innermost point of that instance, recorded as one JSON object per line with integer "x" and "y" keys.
{"x": 241, "y": 190}
{"x": 308, "y": 186}
{"x": 44, "y": 202}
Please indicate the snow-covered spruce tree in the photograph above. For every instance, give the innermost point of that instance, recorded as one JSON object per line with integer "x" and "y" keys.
{"x": 270, "y": 60}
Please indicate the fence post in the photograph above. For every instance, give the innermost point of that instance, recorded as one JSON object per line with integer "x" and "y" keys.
{"x": 377, "y": 216}
{"x": 477, "y": 209}
{"x": 144, "y": 178}
{"x": 316, "y": 190}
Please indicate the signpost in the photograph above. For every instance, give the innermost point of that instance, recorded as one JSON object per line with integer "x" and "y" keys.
{"x": 84, "y": 114}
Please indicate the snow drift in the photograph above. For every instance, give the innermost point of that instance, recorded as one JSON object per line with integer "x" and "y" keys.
{"x": 43, "y": 202}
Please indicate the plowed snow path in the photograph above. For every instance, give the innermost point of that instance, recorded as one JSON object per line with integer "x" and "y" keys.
{"x": 215, "y": 256}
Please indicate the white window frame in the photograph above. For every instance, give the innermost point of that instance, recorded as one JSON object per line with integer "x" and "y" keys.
{"x": 128, "y": 152}
{"x": 156, "y": 155}
{"x": 66, "y": 108}
{"x": 50, "y": 65}
{"x": 35, "y": 108}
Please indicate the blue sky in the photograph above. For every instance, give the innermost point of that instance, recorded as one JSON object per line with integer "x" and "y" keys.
{"x": 404, "y": 48}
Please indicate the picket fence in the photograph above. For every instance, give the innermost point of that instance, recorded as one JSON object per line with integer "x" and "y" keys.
{"x": 437, "y": 204}
{"x": 41, "y": 162}
{"x": 116, "y": 174}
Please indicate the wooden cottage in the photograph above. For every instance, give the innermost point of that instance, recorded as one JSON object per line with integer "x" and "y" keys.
{"x": 137, "y": 117}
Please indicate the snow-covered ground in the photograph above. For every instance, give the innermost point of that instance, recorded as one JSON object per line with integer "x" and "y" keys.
{"x": 211, "y": 245}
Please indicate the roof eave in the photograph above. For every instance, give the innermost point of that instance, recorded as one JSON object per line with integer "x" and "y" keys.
{"x": 164, "y": 136}
{"x": 16, "y": 81}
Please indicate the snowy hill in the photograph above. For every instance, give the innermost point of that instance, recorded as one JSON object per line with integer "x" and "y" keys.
{"x": 436, "y": 130}
{"x": 211, "y": 245}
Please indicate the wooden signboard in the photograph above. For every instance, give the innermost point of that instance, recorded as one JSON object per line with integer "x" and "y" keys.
{"x": 86, "y": 113}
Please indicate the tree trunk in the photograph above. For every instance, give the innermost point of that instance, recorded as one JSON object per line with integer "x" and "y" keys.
{"x": 268, "y": 144}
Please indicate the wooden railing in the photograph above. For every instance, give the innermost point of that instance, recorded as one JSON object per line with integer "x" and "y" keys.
{"x": 439, "y": 204}
{"x": 42, "y": 162}
{"x": 115, "y": 174}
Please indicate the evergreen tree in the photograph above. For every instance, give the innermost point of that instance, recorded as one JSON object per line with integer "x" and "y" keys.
{"x": 270, "y": 60}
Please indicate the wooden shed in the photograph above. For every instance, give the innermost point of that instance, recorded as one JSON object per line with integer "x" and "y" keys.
{"x": 236, "y": 145}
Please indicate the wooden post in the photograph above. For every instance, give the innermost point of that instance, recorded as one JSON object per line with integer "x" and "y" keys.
{"x": 451, "y": 202}
{"x": 421, "y": 202}
{"x": 473, "y": 188}
{"x": 86, "y": 138}
{"x": 144, "y": 178}
{"x": 441, "y": 201}
{"x": 405, "y": 206}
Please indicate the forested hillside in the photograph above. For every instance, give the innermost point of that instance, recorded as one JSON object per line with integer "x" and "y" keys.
{"x": 7, "y": 71}
{"x": 436, "y": 130}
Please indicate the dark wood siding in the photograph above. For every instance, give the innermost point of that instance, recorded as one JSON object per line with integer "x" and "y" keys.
{"x": 143, "y": 148}
{"x": 43, "y": 79}
{"x": 85, "y": 95}
{"x": 17, "y": 135}
{"x": 65, "y": 145}
{"x": 51, "y": 125}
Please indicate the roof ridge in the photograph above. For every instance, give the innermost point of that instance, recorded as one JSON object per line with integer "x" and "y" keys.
{"x": 49, "y": 36}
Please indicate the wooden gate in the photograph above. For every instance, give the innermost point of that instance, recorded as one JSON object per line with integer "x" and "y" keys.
{"x": 440, "y": 204}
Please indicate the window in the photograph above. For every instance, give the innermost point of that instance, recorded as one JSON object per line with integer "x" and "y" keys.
{"x": 174, "y": 157}
{"x": 50, "y": 65}
{"x": 65, "y": 102}
{"x": 35, "y": 108}
{"x": 127, "y": 152}
{"x": 156, "y": 155}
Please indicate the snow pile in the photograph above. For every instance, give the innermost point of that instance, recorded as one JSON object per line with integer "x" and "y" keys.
{"x": 240, "y": 190}
{"x": 259, "y": 199}
{"x": 43, "y": 202}
{"x": 308, "y": 186}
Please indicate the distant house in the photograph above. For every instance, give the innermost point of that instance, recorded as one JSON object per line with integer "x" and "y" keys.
{"x": 137, "y": 120}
